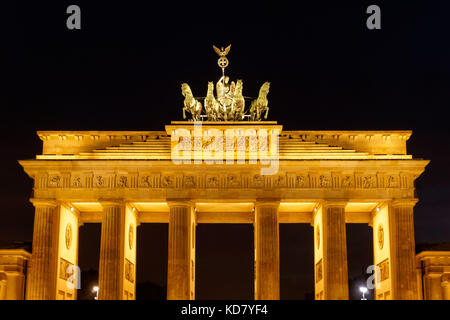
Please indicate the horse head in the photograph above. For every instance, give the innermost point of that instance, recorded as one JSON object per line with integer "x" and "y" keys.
{"x": 264, "y": 89}
{"x": 186, "y": 90}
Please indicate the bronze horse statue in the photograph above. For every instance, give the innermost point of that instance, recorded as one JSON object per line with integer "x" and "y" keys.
{"x": 191, "y": 105}
{"x": 260, "y": 104}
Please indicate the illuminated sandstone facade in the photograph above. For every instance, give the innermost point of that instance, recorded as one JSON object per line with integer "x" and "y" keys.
{"x": 13, "y": 270}
{"x": 433, "y": 274}
{"x": 122, "y": 179}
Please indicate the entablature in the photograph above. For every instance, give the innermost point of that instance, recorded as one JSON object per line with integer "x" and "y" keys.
{"x": 389, "y": 174}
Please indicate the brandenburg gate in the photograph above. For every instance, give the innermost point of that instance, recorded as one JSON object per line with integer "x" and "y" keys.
{"x": 232, "y": 167}
{"x": 123, "y": 179}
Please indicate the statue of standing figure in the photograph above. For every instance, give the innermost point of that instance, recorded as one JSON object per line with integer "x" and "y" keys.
{"x": 225, "y": 93}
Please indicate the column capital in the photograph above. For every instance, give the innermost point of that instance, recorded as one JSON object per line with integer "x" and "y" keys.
{"x": 180, "y": 203}
{"x": 75, "y": 211}
{"x": 134, "y": 211}
{"x": 445, "y": 279}
{"x": 334, "y": 203}
{"x": 52, "y": 203}
{"x": 404, "y": 202}
{"x": 106, "y": 203}
{"x": 267, "y": 202}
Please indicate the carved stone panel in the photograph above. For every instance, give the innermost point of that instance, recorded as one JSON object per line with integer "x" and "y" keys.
{"x": 319, "y": 271}
{"x": 347, "y": 181}
{"x": 68, "y": 236}
{"x": 149, "y": 180}
{"x": 129, "y": 270}
{"x": 257, "y": 181}
{"x": 103, "y": 181}
{"x": 302, "y": 181}
{"x": 380, "y": 236}
{"x": 54, "y": 181}
{"x": 279, "y": 181}
{"x": 369, "y": 181}
{"x": 130, "y": 236}
{"x": 122, "y": 181}
{"x": 64, "y": 269}
{"x": 233, "y": 181}
{"x": 384, "y": 269}
{"x": 77, "y": 181}
{"x": 393, "y": 181}
{"x": 325, "y": 181}
{"x": 168, "y": 181}
{"x": 212, "y": 181}
{"x": 318, "y": 237}
{"x": 190, "y": 181}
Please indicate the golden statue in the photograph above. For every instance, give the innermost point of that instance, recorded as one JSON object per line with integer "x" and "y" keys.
{"x": 225, "y": 93}
{"x": 223, "y": 61}
{"x": 229, "y": 102}
{"x": 239, "y": 102}
{"x": 211, "y": 104}
{"x": 222, "y": 52}
{"x": 191, "y": 105}
{"x": 260, "y": 104}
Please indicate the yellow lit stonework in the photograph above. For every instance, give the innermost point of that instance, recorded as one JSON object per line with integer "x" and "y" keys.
{"x": 124, "y": 178}
{"x": 13, "y": 270}
{"x": 433, "y": 275}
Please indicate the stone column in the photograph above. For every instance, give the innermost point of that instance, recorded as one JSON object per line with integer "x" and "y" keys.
{"x": 111, "y": 251}
{"x": 433, "y": 286}
{"x": 335, "y": 270}
{"x": 402, "y": 250}
{"x": 267, "y": 256}
{"x": 445, "y": 283}
{"x": 42, "y": 276}
{"x": 181, "y": 264}
{"x": 3, "y": 285}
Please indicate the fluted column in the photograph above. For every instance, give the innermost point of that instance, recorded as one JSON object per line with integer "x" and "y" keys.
{"x": 111, "y": 251}
{"x": 181, "y": 264}
{"x": 42, "y": 276}
{"x": 267, "y": 257}
{"x": 335, "y": 269}
{"x": 445, "y": 284}
{"x": 402, "y": 250}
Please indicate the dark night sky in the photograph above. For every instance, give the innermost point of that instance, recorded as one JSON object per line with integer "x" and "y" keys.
{"x": 123, "y": 71}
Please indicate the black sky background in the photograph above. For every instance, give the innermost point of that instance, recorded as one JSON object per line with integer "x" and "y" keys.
{"x": 123, "y": 70}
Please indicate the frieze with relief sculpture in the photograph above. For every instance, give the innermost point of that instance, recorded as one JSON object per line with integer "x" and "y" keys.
{"x": 167, "y": 181}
